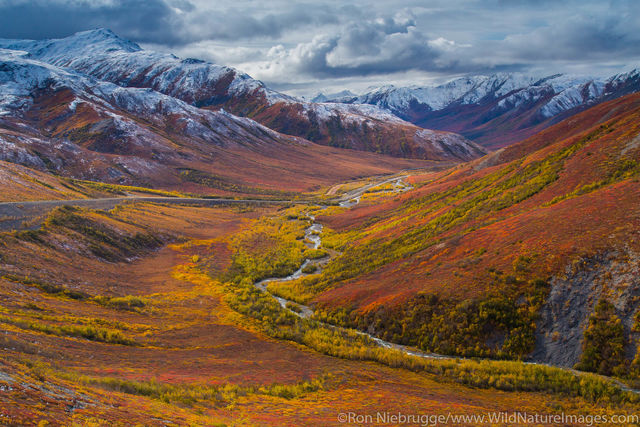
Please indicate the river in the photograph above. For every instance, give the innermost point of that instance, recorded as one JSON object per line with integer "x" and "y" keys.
{"x": 313, "y": 240}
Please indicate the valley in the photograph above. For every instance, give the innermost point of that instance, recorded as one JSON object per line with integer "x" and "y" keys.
{"x": 478, "y": 235}
{"x": 181, "y": 244}
{"x": 176, "y": 334}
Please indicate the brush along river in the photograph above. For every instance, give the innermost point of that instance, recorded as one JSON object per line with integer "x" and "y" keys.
{"x": 313, "y": 240}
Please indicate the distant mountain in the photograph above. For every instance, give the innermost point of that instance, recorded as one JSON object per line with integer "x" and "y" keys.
{"x": 344, "y": 95}
{"x": 103, "y": 55}
{"x": 499, "y": 109}
{"x": 59, "y": 120}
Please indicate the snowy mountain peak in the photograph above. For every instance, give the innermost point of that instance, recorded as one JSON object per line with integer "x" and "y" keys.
{"x": 338, "y": 96}
{"x": 102, "y": 69}
{"x": 104, "y": 38}
{"x": 474, "y": 90}
{"x": 622, "y": 77}
{"x": 98, "y": 41}
{"x": 467, "y": 104}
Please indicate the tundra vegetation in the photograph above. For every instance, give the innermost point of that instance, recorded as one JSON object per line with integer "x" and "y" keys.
{"x": 498, "y": 318}
{"x": 604, "y": 342}
{"x": 281, "y": 255}
{"x": 209, "y": 283}
{"x": 153, "y": 309}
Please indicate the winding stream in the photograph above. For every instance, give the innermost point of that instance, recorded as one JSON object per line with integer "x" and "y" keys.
{"x": 313, "y": 240}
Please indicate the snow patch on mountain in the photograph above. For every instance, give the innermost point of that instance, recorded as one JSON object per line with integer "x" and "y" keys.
{"x": 15, "y": 153}
{"x": 105, "y": 56}
{"x": 512, "y": 90}
{"x": 448, "y": 143}
{"x": 351, "y": 113}
{"x": 336, "y": 97}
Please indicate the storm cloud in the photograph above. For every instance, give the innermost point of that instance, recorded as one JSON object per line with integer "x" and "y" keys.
{"x": 304, "y": 46}
{"x": 172, "y": 22}
{"x": 383, "y": 45}
{"x": 140, "y": 20}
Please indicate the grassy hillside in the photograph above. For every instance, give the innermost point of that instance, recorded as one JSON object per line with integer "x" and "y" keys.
{"x": 464, "y": 262}
{"x": 145, "y": 314}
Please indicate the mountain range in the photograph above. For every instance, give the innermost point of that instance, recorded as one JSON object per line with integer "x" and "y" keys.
{"x": 495, "y": 110}
{"x": 95, "y": 106}
{"x": 102, "y": 55}
{"x": 103, "y": 101}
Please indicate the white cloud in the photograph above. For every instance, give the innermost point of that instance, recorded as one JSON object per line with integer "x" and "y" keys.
{"x": 324, "y": 42}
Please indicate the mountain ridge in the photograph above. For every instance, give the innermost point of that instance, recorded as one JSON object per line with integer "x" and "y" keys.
{"x": 548, "y": 225}
{"x": 59, "y": 120}
{"x": 105, "y": 56}
{"x": 499, "y": 109}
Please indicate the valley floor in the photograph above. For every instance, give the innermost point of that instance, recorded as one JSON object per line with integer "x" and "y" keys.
{"x": 152, "y": 333}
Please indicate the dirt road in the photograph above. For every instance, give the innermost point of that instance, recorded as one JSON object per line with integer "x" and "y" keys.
{"x": 13, "y": 215}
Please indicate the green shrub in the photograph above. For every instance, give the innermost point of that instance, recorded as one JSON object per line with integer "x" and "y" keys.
{"x": 47, "y": 287}
{"x": 89, "y": 332}
{"x": 132, "y": 303}
{"x": 604, "y": 342}
{"x": 102, "y": 241}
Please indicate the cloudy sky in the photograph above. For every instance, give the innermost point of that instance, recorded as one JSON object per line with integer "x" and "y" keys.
{"x": 330, "y": 45}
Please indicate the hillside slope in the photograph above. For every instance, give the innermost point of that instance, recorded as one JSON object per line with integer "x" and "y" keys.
{"x": 465, "y": 262}
{"x": 104, "y": 55}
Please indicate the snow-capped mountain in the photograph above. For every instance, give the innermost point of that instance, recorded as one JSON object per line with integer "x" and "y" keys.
{"x": 341, "y": 96}
{"x": 106, "y": 56}
{"x": 61, "y": 113}
{"x": 103, "y": 55}
{"x": 498, "y": 109}
{"x": 51, "y": 117}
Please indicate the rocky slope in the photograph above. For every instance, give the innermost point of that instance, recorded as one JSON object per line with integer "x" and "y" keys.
{"x": 105, "y": 56}
{"x": 612, "y": 274}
